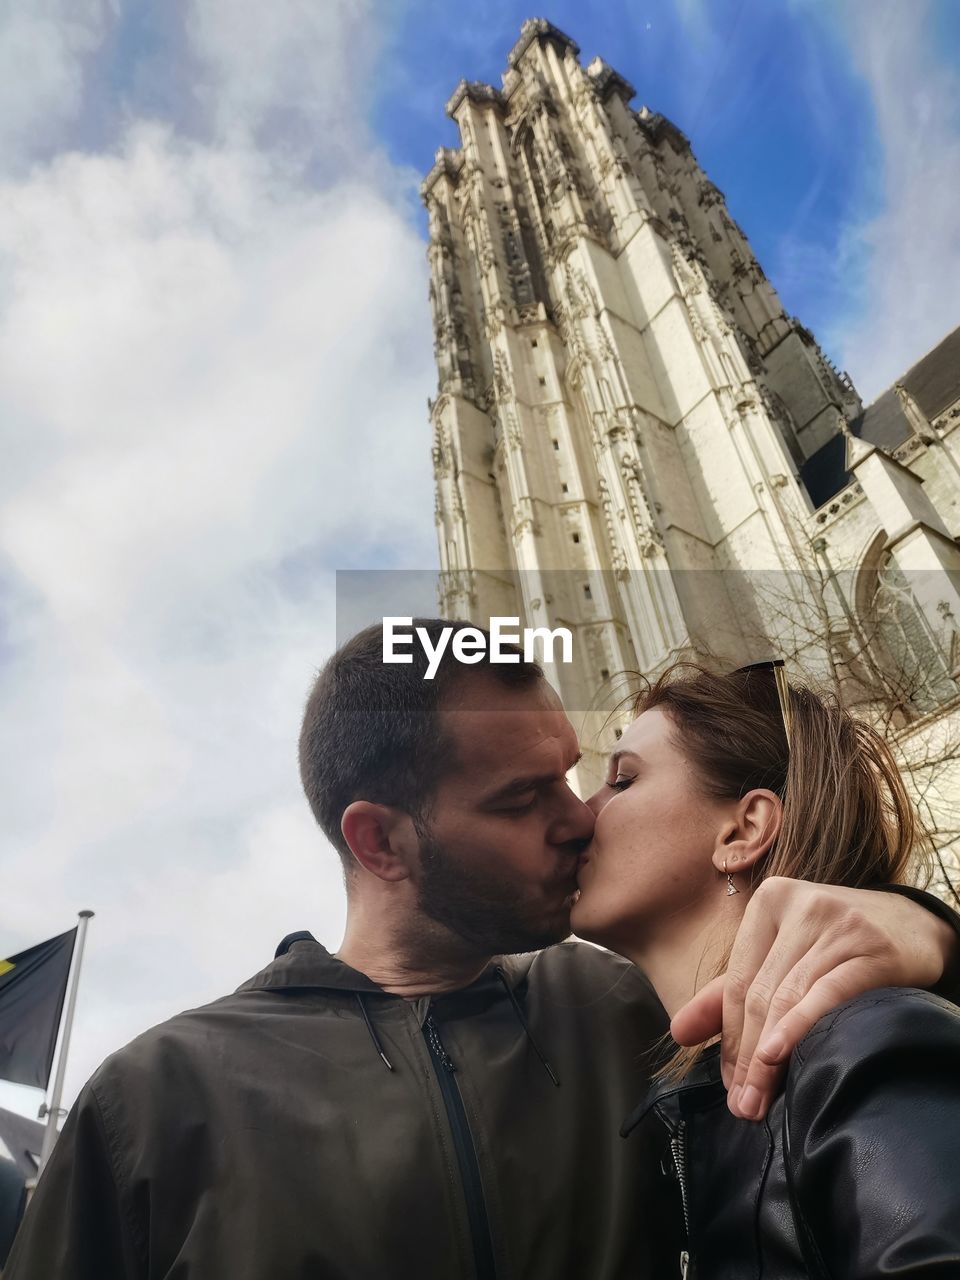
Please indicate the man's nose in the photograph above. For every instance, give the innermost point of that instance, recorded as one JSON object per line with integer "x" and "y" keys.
{"x": 599, "y": 798}
{"x": 575, "y": 823}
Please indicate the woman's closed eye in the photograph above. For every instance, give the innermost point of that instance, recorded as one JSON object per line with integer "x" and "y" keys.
{"x": 620, "y": 782}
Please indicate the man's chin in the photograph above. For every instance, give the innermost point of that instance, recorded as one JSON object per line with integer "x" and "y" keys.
{"x": 538, "y": 937}
{"x": 536, "y": 942}
{"x": 561, "y": 929}
{"x": 485, "y": 913}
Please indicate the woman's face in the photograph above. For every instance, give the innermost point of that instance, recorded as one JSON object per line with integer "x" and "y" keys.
{"x": 656, "y": 832}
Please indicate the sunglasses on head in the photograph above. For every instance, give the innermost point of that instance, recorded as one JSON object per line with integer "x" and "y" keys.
{"x": 778, "y": 667}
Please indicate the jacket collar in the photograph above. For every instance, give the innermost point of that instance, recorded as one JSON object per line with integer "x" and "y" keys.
{"x": 701, "y": 1085}
{"x": 302, "y": 962}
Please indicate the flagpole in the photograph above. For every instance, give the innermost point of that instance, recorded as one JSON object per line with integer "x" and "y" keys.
{"x": 52, "y": 1111}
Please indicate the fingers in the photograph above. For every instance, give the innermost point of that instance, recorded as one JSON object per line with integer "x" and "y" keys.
{"x": 833, "y": 988}
{"x": 818, "y": 940}
{"x": 757, "y": 935}
{"x": 823, "y": 979}
{"x": 701, "y": 1018}
{"x": 791, "y": 936}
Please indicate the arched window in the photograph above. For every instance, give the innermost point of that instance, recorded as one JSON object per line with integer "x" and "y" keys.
{"x": 907, "y": 649}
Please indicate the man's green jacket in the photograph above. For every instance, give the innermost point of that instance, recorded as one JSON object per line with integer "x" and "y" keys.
{"x": 313, "y": 1127}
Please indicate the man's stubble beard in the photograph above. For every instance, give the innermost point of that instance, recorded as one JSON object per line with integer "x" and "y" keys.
{"x": 477, "y": 908}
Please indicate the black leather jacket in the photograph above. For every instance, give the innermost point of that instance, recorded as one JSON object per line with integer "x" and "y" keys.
{"x": 854, "y": 1174}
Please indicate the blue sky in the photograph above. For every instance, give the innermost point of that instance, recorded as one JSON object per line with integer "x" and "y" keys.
{"x": 804, "y": 112}
{"x": 215, "y": 358}
{"x": 779, "y": 107}
{"x": 767, "y": 94}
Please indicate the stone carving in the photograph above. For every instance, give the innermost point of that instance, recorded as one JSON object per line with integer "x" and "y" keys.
{"x": 649, "y": 539}
{"x": 708, "y": 194}
{"x": 494, "y": 317}
{"x": 580, "y": 295}
{"x": 502, "y": 383}
{"x": 912, "y": 445}
{"x": 519, "y": 274}
{"x": 441, "y": 453}
{"x": 846, "y": 498}
{"x": 618, "y": 561}
{"x": 510, "y": 432}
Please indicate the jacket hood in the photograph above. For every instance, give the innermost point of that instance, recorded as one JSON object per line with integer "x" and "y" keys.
{"x": 301, "y": 962}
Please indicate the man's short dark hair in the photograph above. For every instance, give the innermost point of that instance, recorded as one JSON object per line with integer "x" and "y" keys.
{"x": 372, "y": 730}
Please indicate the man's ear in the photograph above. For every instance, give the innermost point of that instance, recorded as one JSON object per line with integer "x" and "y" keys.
{"x": 751, "y": 830}
{"x": 381, "y": 838}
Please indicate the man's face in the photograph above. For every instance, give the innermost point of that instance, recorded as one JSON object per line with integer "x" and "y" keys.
{"x": 501, "y": 843}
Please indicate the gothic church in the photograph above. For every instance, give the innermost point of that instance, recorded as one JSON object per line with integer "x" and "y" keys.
{"x": 631, "y": 438}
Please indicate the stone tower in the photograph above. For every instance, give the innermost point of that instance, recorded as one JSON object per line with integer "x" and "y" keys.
{"x": 629, "y": 428}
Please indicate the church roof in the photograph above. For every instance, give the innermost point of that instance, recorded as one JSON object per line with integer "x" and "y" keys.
{"x": 883, "y": 422}
{"x": 933, "y": 383}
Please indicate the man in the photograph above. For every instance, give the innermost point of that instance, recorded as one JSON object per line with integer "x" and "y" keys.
{"x": 441, "y": 1099}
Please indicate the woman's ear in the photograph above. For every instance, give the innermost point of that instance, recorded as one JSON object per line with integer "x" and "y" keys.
{"x": 753, "y": 826}
{"x": 379, "y": 837}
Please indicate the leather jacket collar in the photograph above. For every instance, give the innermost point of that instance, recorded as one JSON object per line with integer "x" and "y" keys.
{"x": 703, "y": 1085}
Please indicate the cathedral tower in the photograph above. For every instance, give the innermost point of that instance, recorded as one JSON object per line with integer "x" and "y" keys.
{"x": 628, "y": 425}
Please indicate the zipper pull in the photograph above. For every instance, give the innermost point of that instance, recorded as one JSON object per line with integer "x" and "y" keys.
{"x": 684, "y": 1265}
{"x": 436, "y": 1044}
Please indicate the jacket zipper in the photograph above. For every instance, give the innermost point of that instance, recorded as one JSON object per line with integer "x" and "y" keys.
{"x": 678, "y": 1148}
{"x": 463, "y": 1143}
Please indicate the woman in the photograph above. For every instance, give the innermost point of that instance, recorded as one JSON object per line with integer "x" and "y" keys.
{"x": 720, "y": 782}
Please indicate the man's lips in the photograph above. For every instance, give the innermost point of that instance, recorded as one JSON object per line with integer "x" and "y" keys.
{"x": 572, "y": 884}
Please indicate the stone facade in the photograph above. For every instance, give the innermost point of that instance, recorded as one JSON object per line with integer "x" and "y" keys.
{"x": 631, "y": 438}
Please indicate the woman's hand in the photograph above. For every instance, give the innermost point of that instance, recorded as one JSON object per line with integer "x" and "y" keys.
{"x": 801, "y": 950}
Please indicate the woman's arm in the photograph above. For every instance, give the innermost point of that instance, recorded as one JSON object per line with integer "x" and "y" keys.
{"x": 949, "y": 984}
{"x": 872, "y": 1138}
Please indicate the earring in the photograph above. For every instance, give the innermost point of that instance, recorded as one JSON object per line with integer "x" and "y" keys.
{"x": 731, "y": 887}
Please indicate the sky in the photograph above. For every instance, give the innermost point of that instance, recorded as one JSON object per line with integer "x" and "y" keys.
{"x": 215, "y": 358}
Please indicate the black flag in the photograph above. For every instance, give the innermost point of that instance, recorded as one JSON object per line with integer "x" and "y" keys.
{"x": 32, "y": 988}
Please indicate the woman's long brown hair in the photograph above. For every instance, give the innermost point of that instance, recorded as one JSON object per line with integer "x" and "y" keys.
{"x": 847, "y": 815}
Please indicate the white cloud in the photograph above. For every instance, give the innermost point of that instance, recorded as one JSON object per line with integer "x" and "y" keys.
{"x": 294, "y": 70}
{"x": 695, "y": 16}
{"x": 213, "y": 370}
{"x": 44, "y": 45}
{"x": 912, "y": 248}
